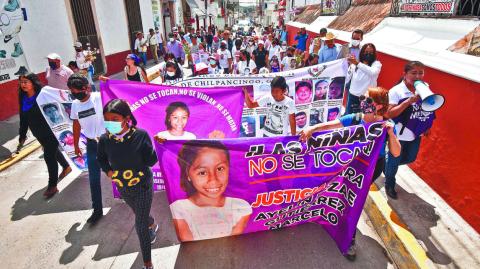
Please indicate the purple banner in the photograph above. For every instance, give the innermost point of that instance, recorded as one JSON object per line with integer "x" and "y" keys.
{"x": 193, "y": 113}
{"x": 235, "y": 186}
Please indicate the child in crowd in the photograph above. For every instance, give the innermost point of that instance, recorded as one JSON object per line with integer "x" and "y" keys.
{"x": 274, "y": 64}
{"x": 125, "y": 154}
{"x": 207, "y": 212}
{"x": 280, "y": 118}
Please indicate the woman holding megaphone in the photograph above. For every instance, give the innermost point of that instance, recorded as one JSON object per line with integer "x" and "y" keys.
{"x": 411, "y": 122}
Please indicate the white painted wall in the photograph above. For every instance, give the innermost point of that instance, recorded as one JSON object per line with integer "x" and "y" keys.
{"x": 113, "y": 25}
{"x": 147, "y": 15}
{"x": 47, "y": 30}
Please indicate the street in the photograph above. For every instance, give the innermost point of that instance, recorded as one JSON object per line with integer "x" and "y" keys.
{"x": 57, "y": 234}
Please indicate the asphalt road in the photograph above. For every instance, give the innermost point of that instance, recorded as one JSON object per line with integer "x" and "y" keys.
{"x": 35, "y": 233}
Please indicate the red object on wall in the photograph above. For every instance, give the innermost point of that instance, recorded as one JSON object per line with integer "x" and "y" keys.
{"x": 449, "y": 158}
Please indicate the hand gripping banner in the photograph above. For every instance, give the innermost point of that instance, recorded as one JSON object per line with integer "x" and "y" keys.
{"x": 234, "y": 186}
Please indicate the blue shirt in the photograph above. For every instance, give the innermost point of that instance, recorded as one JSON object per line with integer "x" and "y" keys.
{"x": 347, "y": 120}
{"x": 302, "y": 42}
{"x": 327, "y": 54}
{"x": 283, "y": 36}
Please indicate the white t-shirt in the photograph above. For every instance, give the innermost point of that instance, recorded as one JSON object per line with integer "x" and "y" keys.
{"x": 397, "y": 93}
{"x": 90, "y": 115}
{"x": 167, "y": 135}
{"x": 286, "y": 63}
{"x": 58, "y": 78}
{"x": 210, "y": 222}
{"x": 141, "y": 45}
{"x": 274, "y": 51}
{"x": 277, "y": 121}
{"x": 224, "y": 56}
{"x": 362, "y": 77}
{"x": 243, "y": 69}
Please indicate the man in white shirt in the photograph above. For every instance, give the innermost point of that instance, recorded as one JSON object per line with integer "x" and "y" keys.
{"x": 153, "y": 44}
{"x": 141, "y": 47}
{"x": 87, "y": 116}
{"x": 84, "y": 63}
{"x": 57, "y": 74}
{"x": 225, "y": 58}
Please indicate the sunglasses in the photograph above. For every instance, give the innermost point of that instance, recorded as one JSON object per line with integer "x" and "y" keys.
{"x": 367, "y": 99}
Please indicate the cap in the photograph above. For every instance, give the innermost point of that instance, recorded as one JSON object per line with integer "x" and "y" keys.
{"x": 194, "y": 36}
{"x": 77, "y": 44}
{"x": 260, "y": 42}
{"x": 174, "y": 29}
{"x": 224, "y": 42}
{"x": 53, "y": 56}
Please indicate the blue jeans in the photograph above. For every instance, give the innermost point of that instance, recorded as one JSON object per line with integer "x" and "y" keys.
{"x": 90, "y": 78}
{"x": 94, "y": 175}
{"x": 407, "y": 155}
{"x": 143, "y": 56}
{"x": 353, "y": 104}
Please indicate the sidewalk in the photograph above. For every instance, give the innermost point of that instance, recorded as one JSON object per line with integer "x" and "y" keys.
{"x": 430, "y": 231}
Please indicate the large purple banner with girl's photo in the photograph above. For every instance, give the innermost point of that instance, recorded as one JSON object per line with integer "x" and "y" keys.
{"x": 175, "y": 113}
{"x": 227, "y": 187}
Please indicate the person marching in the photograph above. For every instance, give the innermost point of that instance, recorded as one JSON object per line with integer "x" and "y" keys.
{"x": 87, "y": 117}
{"x": 126, "y": 155}
{"x": 31, "y": 118}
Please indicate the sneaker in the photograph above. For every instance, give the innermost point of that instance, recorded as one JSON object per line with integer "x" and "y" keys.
{"x": 153, "y": 233}
{"x": 12, "y": 5}
{"x": 352, "y": 252}
{"x": 17, "y": 51}
{"x": 50, "y": 192}
{"x": 65, "y": 172}
{"x": 391, "y": 193}
{"x": 96, "y": 215}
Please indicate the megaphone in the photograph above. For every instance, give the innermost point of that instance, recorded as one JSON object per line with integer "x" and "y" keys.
{"x": 430, "y": 101}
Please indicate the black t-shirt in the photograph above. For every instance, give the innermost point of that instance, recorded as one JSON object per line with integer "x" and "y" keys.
{"x": 260, "y": 58}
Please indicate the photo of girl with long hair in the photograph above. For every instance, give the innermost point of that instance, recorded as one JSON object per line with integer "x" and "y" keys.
{"x": 207, "y": 212}
{"x": 176, "y": 118}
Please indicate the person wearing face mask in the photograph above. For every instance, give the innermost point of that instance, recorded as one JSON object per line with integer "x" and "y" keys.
{"x": 330, "y": 51}
{"x": 175, "y": 47}
{"x": 171, "y": 72}
{"x": 31, "y": 118}
{"x": 352, "y": 48}
{"x": 374, "y": 107}
{"x": 362, "y": 74}
{"x": 126, "y": 155}
{"x": 169, "y": 57}
{"x": 274, "y": 50}
{"x": 246, "y": 66}
{"x": 141, "y": 45}
{"x": 153, "y": 44}
{"x": 57, "y": 74}
{"x": 251, "y": 46}
{"x": 225, "y": 58}
{"x": 213, "y": 67}
{"x": 87, "y": 116}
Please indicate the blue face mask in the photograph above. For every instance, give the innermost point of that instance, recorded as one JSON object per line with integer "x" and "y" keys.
{"x": 113, "y": 127}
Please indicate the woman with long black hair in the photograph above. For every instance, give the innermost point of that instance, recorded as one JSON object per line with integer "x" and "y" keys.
{"x": 31, "y": 118}
{"x": 126, "y": 155}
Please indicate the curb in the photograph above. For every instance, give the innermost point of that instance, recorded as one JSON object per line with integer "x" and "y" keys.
{"x": 401, "y": 245}
{"x": 18, "y": 157}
